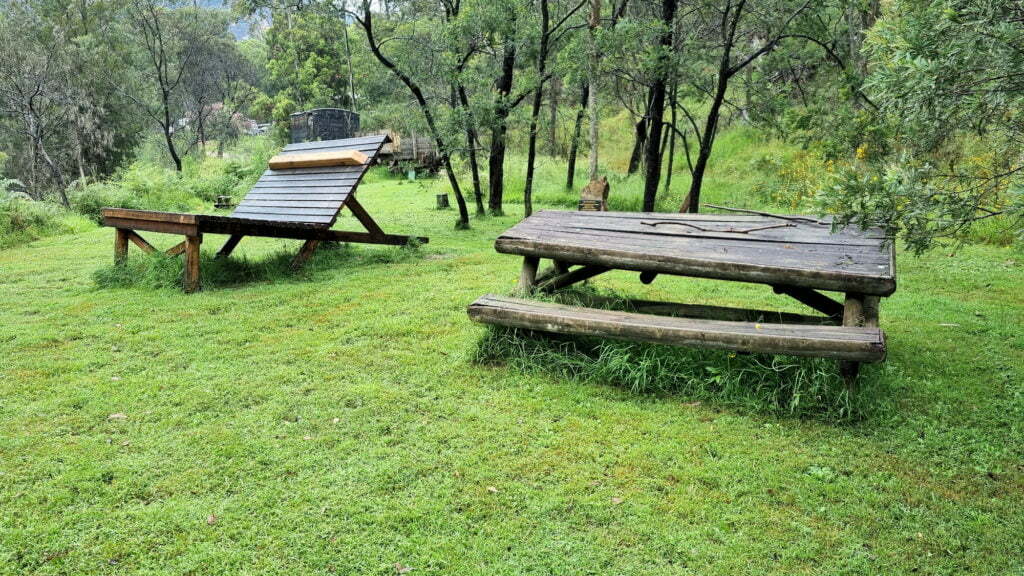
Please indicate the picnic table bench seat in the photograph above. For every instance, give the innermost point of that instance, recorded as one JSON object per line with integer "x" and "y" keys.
{"x": 854, "y": 343}
{"x": 299, "y": 203}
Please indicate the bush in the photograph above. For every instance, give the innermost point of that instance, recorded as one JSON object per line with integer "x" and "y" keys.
{"x": 24, "y": 220}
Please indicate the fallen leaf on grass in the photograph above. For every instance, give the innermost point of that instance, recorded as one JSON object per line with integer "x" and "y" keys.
{"x": 492, "y": 489}
{"x": 399, "y": 569}
{"x": 335, "y": 420}
{"x": 211, "y": 519}
{"x": 617, "y": 500}
{"x": 117, "y": 416}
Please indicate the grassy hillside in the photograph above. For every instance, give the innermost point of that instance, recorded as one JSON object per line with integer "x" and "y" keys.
{"x": 337, "y": 421}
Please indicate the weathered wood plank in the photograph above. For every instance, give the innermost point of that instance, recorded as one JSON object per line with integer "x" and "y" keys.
{"x": 246, "y": 211}
{"x": 853, "y": 343}
{"x": 308, "y": 247}
{"x": 699, "y": 265}
{"x": 149, "y": 215}
{"x": 301, "y": 203}
{"x": 277, "y": 178}
{"x": 375, "y": 139}
{"x": 334, "y": 197}
{"x": 273, "y": 188}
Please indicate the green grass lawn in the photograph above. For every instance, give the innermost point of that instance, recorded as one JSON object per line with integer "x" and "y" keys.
{"x": 335, "y": 422}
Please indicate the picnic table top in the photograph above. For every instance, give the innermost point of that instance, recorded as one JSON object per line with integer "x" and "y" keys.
{"x": 778, "y": 250}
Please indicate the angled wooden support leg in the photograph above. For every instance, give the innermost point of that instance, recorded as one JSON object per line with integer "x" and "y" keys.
{"x": 140, "y": 241}
{"x": 364, "y": 217}
{"x": 176, "y": 250}
{"x": 192, "y": 244}
{"x": 308, "y": 247}
{"x": 571, "y": 277}
{"x": 229, "y": 246}
{"x": 813, "y": 299}
{"x": 528, "y": 274}
{"x": 120, "y": 246}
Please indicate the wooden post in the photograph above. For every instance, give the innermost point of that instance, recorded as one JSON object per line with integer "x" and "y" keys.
{"x": 528, "y": 275}
{"x": 192, "y": 244}
{"x": 853, "y": 315}
{"x": 120, "y": 246}
{"x": 308, "y": 247}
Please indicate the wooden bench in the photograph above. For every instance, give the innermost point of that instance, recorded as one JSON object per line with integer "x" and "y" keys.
{"x": 854, "y": 343}
{"x": 300, "y": 203}
{"x": 797, "y": 256}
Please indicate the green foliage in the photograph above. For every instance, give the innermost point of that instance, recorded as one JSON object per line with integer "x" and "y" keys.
{"x": 149, "y": 185}
{"x": 946, "y": 78}
{"x": 24, "y": 220}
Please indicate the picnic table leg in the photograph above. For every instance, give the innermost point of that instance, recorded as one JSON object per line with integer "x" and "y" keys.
{"x": 192, "y": 244}
{"x": 528, "y": 275}
{"x": 120, "y": 246}
{"x": 855, "y": 313}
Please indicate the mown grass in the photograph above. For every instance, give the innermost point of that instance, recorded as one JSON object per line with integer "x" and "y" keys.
{"x": 338, "y": 421}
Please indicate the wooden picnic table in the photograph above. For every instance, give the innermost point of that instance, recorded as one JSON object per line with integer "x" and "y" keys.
{"x": 797, "y": 255}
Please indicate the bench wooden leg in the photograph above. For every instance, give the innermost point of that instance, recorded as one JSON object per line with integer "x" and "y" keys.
{"x": 308, "y": 247}
{"x": 120, "y": 246}
{"x": 229, "y": 246}
{"x": 192, "y": 244}
{"x": 528, "y": 274}
{"x": 858, "y": 310}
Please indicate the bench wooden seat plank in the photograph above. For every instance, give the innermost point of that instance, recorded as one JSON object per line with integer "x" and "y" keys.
{"x": 860, "y": 344}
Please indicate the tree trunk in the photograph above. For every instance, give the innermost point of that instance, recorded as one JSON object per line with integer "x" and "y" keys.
{"x": 692, "y": 203}
{"x": 421, "y": 100}
{"x": 574, "y": 143}
{"x": 58, "y": 175}
{"x": 639, "y": 139}
{"x": 538, "y": 97}
{"x": 554, "y": 94}
{"x": 595, "y": 60}
{"x": 471, "y": 139}
{"x": 672, "y": 140}
{"x": 653, "y": 155}
{"x": 496, "y": 161}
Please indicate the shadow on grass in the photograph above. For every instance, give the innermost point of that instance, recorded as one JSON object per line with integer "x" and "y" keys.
{"x": 159, "y": 271}
{"x": 779, "y": 385}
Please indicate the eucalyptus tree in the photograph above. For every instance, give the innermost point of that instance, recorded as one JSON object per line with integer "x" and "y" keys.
{"x": 549, "y": 34}
{"x": 34, "y": 74}
{"x": 731, "y": 35}
{"x": 947, "y": 77}
{"x": 162, "y": 46}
